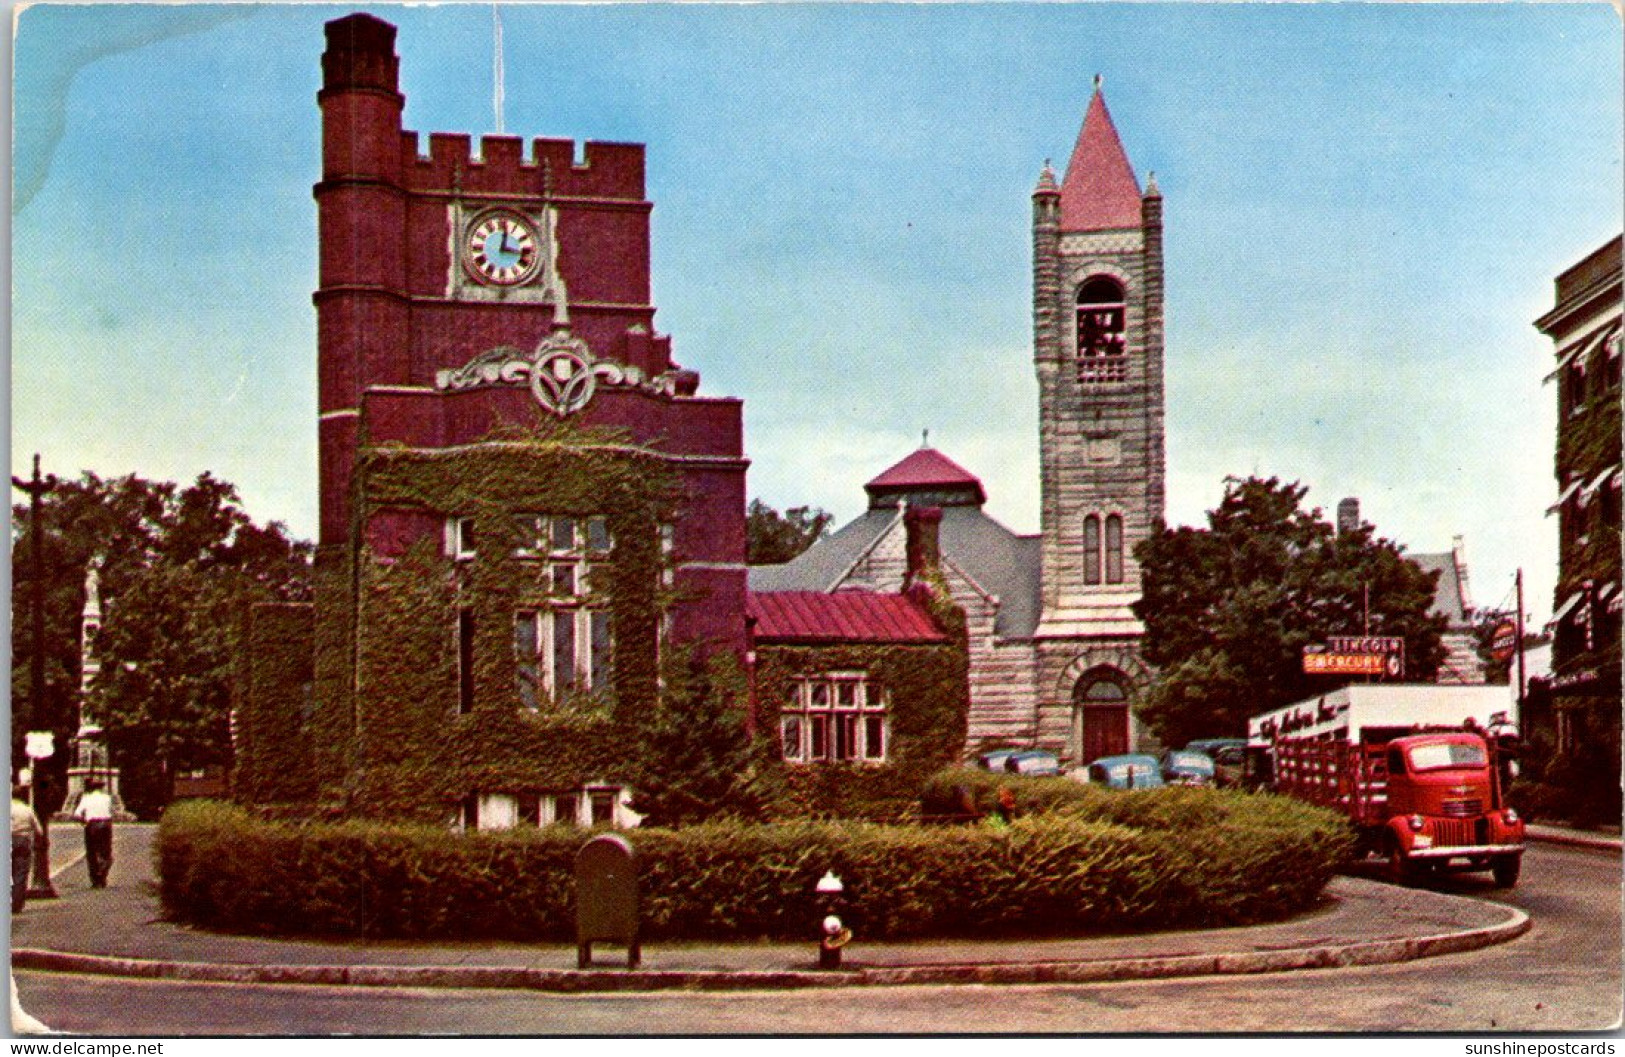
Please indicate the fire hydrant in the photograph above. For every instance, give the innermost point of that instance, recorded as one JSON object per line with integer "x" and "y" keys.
{"x": 834, "y": 935}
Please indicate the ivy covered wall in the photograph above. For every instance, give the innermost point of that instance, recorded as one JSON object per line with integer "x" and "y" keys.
{"x": 928, "y": 691}
{"x": 391, "y": 730}
{"x": 273, "y": 699}
{"x": 380, "y": 720}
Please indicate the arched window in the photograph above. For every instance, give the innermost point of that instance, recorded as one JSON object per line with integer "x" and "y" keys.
{"x": 1102, "y": 324}
{"x": 1114, "y": 549}
{"x": 1091, "y": 549}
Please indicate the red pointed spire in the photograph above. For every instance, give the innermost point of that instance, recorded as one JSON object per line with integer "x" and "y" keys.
{"x": 1100, "y": 190}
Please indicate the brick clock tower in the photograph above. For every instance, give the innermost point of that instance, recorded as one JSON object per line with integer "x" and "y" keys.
{"x": 459, "y": 292}
{"x": 464, "y": 294}
{"x": 1098, "y": 351}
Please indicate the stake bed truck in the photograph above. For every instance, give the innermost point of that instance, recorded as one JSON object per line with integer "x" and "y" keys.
{"x": 1420, "y": 770}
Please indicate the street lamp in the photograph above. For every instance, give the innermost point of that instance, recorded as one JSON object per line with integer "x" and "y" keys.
{"x": 37, "y": 487}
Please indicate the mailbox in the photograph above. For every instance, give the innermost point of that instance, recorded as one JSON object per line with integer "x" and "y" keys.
{"x": 607, "y": 898}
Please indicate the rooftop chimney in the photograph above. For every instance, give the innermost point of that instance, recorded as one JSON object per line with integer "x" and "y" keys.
{"x": 923, "y": 544}
{"x": 1348, "y": 516}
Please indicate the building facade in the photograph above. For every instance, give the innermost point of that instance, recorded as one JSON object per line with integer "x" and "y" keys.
{"x": 1054, "y": 657}
{"x": 1463, "y": 665}
{"x": 1584, "y": 326}
{"x": 1098, "y": 351}
{"x": 525, "y": 503}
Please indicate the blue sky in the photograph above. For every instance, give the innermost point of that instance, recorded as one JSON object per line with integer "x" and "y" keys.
{"x": 1365, "y": 209}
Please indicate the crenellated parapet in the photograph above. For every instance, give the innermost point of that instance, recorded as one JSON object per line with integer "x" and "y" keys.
{"x": 502, "y": 166}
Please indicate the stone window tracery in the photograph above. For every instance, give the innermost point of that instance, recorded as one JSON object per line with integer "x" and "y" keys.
{"x": 1091, "y": 549}
{"x": 1102, "y": 327}
{"x": 841, "y": 716}
{"x": 1114, "y": 549}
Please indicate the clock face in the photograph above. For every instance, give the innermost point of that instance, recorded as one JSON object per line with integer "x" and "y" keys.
{"x": 502, "y": 248}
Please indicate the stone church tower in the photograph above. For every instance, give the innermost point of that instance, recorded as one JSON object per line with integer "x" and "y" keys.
{"x": 1098, "y": 351}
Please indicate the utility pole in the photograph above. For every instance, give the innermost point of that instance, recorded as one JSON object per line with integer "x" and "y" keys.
{"x": 39, "y": 886}
{"x": 1519, "y": 582}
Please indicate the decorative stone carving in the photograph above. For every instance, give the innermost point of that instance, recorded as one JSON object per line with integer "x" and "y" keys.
{"x": 561, "y": 374}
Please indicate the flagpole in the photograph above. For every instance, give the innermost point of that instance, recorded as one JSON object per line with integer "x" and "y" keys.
{"x": 496, "y": 65}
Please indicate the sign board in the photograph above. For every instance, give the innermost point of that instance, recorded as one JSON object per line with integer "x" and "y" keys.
{"x": 1343, "y": 714}
{"x": 1370, "y": 655}
{"x": 1351, "y": 664}
{"x": 1364, "y": 644}
{"x": 1504, "y": 640}
{"x": 41, "y": 743}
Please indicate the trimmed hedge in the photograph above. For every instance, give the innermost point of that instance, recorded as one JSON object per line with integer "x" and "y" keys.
{"x": 1060, "y": 873}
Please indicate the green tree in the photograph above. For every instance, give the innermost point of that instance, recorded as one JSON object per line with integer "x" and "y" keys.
{"x": 178, "y": 567}
{"x": 772, "y": 538}
{"x": 696, "y": 758}
{"x": 1229, "y": 608}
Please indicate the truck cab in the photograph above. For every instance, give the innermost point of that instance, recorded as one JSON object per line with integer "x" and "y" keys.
{"x": 1446, "y": 807}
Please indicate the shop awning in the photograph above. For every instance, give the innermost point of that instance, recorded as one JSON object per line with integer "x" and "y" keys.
{"x": 1580, "y": 349}
{"x": 1596, "y": 482}
{"x": 1568, "y": 606}
{"x": 1568, "y": 491}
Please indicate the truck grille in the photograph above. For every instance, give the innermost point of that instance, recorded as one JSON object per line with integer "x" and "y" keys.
{"x": 1452, "y": 834}
{"x": 1462, "y": 808}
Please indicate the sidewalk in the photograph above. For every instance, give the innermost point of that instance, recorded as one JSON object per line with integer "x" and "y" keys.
{"x": 1574, "y": 838}
{"x": 116, "y": 931}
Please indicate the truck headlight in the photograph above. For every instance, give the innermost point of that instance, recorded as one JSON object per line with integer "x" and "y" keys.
{"x": 1417, "y": 822}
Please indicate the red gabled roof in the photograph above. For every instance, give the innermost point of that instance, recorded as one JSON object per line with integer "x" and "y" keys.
{"x": 925, "y": 468}
{"x": 846, "y": 616}
{"x": 1100, "y": 190}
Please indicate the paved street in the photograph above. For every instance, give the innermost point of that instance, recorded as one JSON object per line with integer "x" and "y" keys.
{"x": 1563, "y": 976}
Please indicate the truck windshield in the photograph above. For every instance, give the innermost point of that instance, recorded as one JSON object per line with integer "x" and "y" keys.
{"x": 1447, "y": 754}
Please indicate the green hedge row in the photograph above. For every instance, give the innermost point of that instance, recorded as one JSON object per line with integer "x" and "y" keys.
{"x": 1252, "y": 858}
{"x": 949, "y": 791}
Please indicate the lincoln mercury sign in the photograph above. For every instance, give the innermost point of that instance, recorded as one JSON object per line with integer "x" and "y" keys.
{"x": 1382, "y": 656}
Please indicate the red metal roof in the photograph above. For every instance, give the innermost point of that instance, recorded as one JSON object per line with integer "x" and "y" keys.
{"x": 1100, "y": 190}
{"x": 845, "y": 616}
{"x": 924, "y": 468}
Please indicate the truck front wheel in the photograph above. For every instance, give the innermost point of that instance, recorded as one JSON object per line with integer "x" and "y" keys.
{"x": 1400, "y": 871}
{"x": 1505, "y": 868}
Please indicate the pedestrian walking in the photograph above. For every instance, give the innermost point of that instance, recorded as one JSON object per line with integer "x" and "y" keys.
{"x": 95, "y": 810}
{"x": 24, "y": 828}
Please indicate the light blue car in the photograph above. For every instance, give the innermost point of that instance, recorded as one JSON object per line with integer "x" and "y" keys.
{"x": 1134, "y": 771}
{"x": 1183, "y": 767}
{"x": 1031, "y": 762}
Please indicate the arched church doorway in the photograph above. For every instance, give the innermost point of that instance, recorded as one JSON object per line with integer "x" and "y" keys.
{"x": 1100, "y": 724}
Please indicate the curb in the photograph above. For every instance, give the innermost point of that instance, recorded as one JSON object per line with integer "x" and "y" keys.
{"x": 570, "y": 981}
{"x": 1577, "y": 840}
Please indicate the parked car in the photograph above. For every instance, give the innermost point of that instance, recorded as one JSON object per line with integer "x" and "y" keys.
{"x": 1230, "y": 767}
{"x": 1031, "y": 762}
{"x": 1211, "y": 746}
{"x": 1134, "y": 771}
{"x": 1185, "y": 767}
{"x": 1229, "y": 756}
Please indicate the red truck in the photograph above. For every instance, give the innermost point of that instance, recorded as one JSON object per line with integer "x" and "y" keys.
{"x": 1421, "y": 772}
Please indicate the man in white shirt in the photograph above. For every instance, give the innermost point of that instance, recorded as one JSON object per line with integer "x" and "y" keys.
{"x": 95, "y": 810}
{"x": 25, "y": 828}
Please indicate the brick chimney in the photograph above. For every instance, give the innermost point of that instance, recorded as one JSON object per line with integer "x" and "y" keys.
{"x": 1348, "y": 516}
{"x": 923, "y": 545}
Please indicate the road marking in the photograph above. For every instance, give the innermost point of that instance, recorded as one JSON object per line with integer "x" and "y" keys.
{"x": 65, "y": 867}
